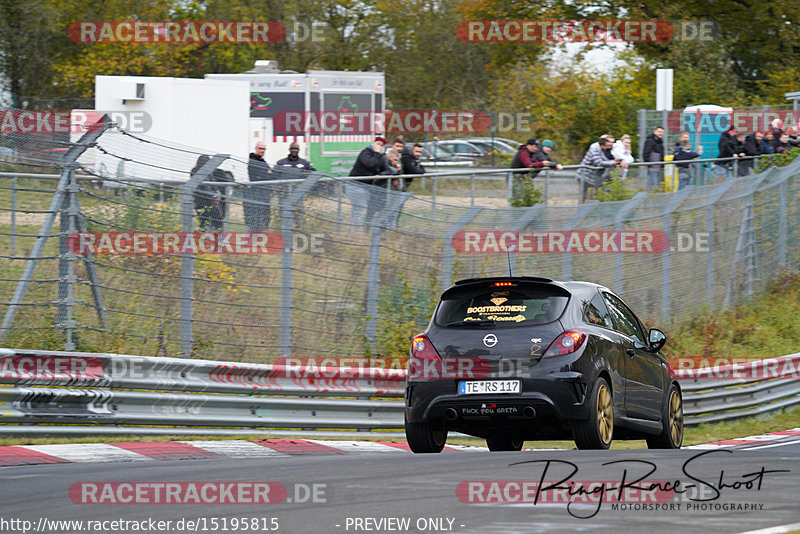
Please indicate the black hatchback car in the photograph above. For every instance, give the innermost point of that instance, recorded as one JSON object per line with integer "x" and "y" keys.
{"x": 512, "y": 359}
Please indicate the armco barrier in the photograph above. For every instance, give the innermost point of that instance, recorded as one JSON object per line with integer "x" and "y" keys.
{"x": 94, "y": 393}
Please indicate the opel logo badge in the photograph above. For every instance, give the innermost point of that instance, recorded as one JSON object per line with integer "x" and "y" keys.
{"x": 490, "y": 340}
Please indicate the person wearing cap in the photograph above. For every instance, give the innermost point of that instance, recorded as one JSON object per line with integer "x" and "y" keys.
{"x": 525, "y": 158}
{"x": 543, "y": 154}
{"x": 729, "y": 148}
{"x": 294, "y": 160}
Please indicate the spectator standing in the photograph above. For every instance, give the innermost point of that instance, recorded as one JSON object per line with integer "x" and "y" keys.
{"x": 782, "y": 144}
{"x": 728, "y": 148}
{"x": 621, "y": 150}
{"x": 411, "y": 165}
{"x": 294, "y": 160}
{"x": 794, "y": 139}
{"x": 525, "y": 158}
{"x": 752, "y": 147}
{"x": 768, "y": 143}
{"x": 595, "y": 157}
{"x": 683, "y": 151}
{"x": 209, "y": 200}
{"x": 545, "y": 154}
{"x": 654, "y": 151}
{"x": 257, "y": 198}
{"x": 370, "y": 162}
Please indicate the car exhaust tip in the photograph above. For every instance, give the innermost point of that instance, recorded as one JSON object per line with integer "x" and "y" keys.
{"x": 451, "y": 414}
{"x": 528, "y": 412}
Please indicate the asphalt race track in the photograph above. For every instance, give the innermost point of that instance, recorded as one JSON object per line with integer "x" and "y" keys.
{"x": 726, "y": 490}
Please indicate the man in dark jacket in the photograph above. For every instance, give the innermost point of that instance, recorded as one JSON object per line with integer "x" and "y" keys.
{"x": 372, "y": 162}
{"x": 544, "y": 154}
{"x": 525, "y": 158}
{"x": 411, "y": 164}
{"x": 728, "y": 148}
{"x": 257, "y": 198}
{"x": 654, "y": 151}
{"x": 752, "y": 147}
{"x": 294, "y": 160}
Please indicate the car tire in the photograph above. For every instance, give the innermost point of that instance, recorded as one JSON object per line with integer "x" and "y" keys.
{"x": 504, "y": 443}
{"x": 424, "y": 438}
{"x": 597, "y": 432}
{"x": 671, "y": 436}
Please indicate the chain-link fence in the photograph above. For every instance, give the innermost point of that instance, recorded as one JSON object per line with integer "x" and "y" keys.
{"x": 344, "y": 268}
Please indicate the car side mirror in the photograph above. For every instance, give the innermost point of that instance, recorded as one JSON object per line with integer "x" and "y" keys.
{"x": 657, "y": 339}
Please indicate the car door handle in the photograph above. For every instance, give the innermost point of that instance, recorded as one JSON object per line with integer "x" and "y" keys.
{"x": 630, "y": 351}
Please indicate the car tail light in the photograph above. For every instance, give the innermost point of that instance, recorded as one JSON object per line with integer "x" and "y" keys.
{"x": 422, "y": 351}
{"x": 566, "y": 343}
{"x": 422, "y": 348}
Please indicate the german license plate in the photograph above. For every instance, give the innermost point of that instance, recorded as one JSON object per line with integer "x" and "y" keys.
{"x": 482, "y": 387}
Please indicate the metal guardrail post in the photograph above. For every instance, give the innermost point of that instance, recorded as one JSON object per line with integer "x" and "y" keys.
{"x": 14, "y": 216}
{"x": 69, "y": 158}
{"x": 522, "y": 223}
{"x": 713, "y": 198}
{"x": 642, "y": 136}
{"x": 619, "y": 224}
{"x": 449, "y": 251}
{"x": 287, "y": 227}
{"x": 666, "y": 265}
{"x": 66, "y": 272}
{"x": 782, "y": 224}
{"x": 546, "y": 184}
{"x": 472, "y": 187}
{"x": 187, "y": 192}
{"x": 378, "y": 223}
{"x": 583, "y": 211}
{"x": 433, "y": 200}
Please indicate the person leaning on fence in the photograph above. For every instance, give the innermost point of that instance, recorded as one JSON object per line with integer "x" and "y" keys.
{"x": 728, "y": 146}
{"x": 545, "y": 154}
{"x": 767, "y": 145}
{"x": 621, "y": 150}
{"x": 596, "y": 157}
{"x": 370, "y": 162}
{"x": 209, "y": 200}
{"x": 654, "y": 151}
{"x": 683, "y": 151}
{"x": 525, "y": 158}
{"x": 411, "y": 165}
{"x": 752, "y": 147}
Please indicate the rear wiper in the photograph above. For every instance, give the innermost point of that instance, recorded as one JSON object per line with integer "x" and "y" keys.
{"x": 480, "y": 322}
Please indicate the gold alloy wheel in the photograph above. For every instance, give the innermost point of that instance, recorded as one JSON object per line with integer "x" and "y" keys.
{"x": 605, "y": 414}
{"x": 676, "y": 418}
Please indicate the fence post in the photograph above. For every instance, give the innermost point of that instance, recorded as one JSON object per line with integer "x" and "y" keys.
{"x": 378, "y": 223}
{"x": 619, "y": 225}
{"x": 522, "y": 223}
{"x": 13, "y": 215}
{"x": 187, "y": 260}
{"x": 782, "y": 229}
{"x": 546, "y": 183}
{"x": 717, "y": 194}
{"x": 642, "y": 135}
{"x": 66, "y": 272}
{"x": 666, "y": 265}
{"x": 290, "y": 200}
{"x": 449, "y": 252}
{"x": 67, "y": 162}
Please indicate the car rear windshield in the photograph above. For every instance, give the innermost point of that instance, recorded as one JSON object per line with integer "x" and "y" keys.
{"x": 523, "y": 304}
